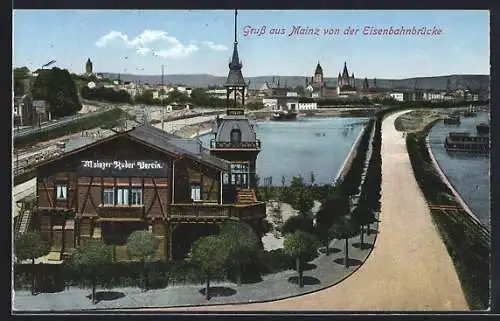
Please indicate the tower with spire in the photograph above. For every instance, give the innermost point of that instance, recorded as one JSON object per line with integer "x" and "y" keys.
{"x": 318, "y": 80}
{"x": 346, "y": 84}
{"x": 235, "y": 138}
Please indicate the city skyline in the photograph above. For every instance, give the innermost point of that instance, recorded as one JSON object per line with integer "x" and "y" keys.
{"x": 139, "y": 42}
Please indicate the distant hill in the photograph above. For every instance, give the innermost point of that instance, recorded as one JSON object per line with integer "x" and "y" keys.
{"x": 472, "y": 82}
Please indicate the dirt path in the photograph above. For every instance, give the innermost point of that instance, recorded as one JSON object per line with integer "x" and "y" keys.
{"x": 409, "y": 269}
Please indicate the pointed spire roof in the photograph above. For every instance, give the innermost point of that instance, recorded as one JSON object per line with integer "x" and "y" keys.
{"x": 235, "y": 77}
{"x": 345, "y": 73}
{"x": 318, "y": 70}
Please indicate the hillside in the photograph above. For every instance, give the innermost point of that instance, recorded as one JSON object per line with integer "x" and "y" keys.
{"x": 473, "y": 82}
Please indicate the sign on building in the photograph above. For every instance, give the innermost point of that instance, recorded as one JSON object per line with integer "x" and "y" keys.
{"x": 123, "y": 168}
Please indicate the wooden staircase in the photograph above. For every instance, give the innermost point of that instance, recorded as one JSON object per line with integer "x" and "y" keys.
{"x": 23, "y": 222}
{"x": 246, "y": 196}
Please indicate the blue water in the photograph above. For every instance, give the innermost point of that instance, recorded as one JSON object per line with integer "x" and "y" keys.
{"x": 293, "y": 148}
{"x": 468, "y": 173}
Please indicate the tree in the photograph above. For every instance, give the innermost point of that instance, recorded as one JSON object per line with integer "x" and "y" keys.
{"x": 298, "y": 223}
{"x": 242, "y": 244}
{"x": 57, "y": 88}
{"x": 20, "y": 75}
{"x": 91, "y": 259}
{"x": 299, "y": 245}
{"x": 175, "y": 96}
{"x": 210, "y": 253}
{"x": 361, "y": 217}
{"x": 345, "y": 228}
{"x": 312, "y": 178}
{"x": 336, "y": 205}
{"x": 142, "y": 245}
{"x": 300, "y": 196}
{"x": 30, "y": 246}
{"x": 325, "y": 236}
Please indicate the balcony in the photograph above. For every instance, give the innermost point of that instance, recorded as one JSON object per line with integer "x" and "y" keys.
{"x": 234, "y": 145}
{"x": 121, "y": 212}
{"x": 216, "y": 211}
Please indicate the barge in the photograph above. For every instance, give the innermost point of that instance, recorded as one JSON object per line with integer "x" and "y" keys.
{"x": 465, "y": 142}
{"x": 483, "y": 129}
{"x": 452, "y": 120}
{"x": 284, "y": 115}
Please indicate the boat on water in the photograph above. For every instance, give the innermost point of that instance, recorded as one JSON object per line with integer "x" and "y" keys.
{"x": 284, "y": 115}
{"x": 465, "y": 142}
{"x": 471, "y": 112}
{"x": 452, "y": 120}
{"x": 483, "y": 129}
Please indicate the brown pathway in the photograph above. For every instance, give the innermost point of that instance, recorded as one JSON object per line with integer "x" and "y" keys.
{"x": 409, "y": 268}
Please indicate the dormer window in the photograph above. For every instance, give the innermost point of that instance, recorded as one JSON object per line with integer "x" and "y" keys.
{"x": 235, "y": 136}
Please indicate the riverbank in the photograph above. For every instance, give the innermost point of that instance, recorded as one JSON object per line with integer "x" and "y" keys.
{"x": 466, "y": 241}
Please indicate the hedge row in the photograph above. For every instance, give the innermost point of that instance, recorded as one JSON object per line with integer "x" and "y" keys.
{"x": 159, "y": 274}
{"x": 466, "y": 243}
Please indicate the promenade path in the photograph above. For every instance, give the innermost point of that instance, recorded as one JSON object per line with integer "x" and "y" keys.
{"x": 409, "y": 268}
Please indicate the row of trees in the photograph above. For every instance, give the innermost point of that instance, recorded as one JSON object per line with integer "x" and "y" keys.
{"x": 105, "y": 94}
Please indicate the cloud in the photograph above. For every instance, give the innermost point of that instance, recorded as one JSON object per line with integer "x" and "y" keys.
{"x": 142, "y": 42}
{"x": 142, "y": 50}
{"x": 213, "y": 46}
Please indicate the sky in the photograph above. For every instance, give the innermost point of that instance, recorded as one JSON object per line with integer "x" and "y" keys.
{"x": 201, "y": 41}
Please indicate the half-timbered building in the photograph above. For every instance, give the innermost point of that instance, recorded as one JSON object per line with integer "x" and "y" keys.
{"x": 139, "y": 179}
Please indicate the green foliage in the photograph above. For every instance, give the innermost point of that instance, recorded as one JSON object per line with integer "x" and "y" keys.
{"x": 363, "y": 215}
{"x": 274, "y": 261}
{"x": 20, "y": 75}
{"x": 297, "y": 223}
{"x": 92, "y": 255}
{"x": 300, "y": 196}
{"x": 210, "y": 253}
{"x": 242, "y": 245}
{"x": 142, "y": 245}
{"x": 106, "y": 94}
{"x": 29, "y": 246}
{"x": 241, "y": 241}
{"x": 335, "y": 206}
{"x": 299, "y": 244}
{"x": 344, "y": 228}
{"x": 57, "y": 88}
{"x": 176, "y": 96}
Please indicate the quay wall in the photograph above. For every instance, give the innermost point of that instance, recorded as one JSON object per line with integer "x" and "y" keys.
{"x": 348, "y": 161}
{"x": 445, "y": 179}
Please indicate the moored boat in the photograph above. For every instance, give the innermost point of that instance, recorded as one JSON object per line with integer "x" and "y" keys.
{"x": 284, "y": 115}
{"x": 452, "y": 120}
{"x": 483, "y": 129}
{"x": 465, "y": 142}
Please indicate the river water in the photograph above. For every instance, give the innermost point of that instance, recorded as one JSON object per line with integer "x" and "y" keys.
{"x": 310, "y": 144}
{"x": 468, "y": 173}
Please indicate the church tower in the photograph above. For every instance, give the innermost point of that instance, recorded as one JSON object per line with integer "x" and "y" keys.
{"x": 235, "y": 138}
{"x": 318, "y": 76}
{"x": 88, "y": 67}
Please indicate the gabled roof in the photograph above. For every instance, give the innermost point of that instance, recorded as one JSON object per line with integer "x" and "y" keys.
{"x": 156, "y": 138}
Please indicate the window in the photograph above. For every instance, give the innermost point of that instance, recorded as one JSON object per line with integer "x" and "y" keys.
{"x": 121, "y": 196}
{"x": 196, "y": 192}
{"x": 136, "y": 196}
{"x": 61, "y": 191}
{"x": 108, "y": 196}
{"x": 235, "y": 136}
{"x": 239, "y": 174}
